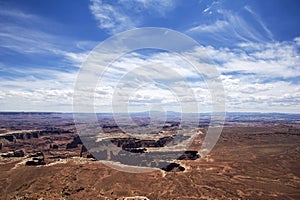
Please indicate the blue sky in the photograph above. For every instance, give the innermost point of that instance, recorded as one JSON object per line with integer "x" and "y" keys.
{"x": 255, "y": 45}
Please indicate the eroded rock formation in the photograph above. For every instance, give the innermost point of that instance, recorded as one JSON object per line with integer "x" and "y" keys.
{"x": 36, "y": 159}
{"x": 16, "y": 153}
{"x": 174, "y": 167}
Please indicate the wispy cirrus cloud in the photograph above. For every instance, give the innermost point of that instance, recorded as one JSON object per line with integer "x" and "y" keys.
{"x": 260, "y": 21}
{"x": 226, "y": 27}
{"x": 219, "y": 25}
{"x": 122, "y": 15}
{"x": 160, "y": 7}
{"x": 38, "y": 68}
{"x": 24, "y": 35}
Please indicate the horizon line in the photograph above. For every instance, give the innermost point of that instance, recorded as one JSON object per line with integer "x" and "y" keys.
{"x": 68, "y": 112}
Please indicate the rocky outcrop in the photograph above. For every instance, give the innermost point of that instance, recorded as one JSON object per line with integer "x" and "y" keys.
{"x": 189, "y": 155}
{"x": 37, "y": 154}
{"x": 111, "y": 128}
{"x": 133, "y": 143}
{"x": 36, "y": 159}
{"x": 83, "y": 149}
{"x": 174, "y": 167}
{"x": 74, "y": 143}
{"x": 20, "y": 136}
{"x": 90, "y": 156}
{"x": 10, "y": 138}
{"x": 53, "y": 146}
{"x": 19, "y": 153}
{"x": 171, "y": 126}
{"x": 35, "y": 135}
{"x": 138, "y": 150}
{"x": 16, "y": 153}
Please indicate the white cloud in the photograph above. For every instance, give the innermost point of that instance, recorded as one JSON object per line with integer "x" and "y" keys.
{"x": 23, "y": 34}
{"x": 297, "y": 40}
{"x": 260, "y": 77}
{"x": 260, "y": 21}
{"x": 216, "y": 27}
{"x": 156, "y": 6}
{"x": 76, "y": 58}
{"x": 124, "y": 15}
{"x": 36, "y": 85}
{"x": 230, "y": 27}
{"x": 110, "y": 18}
{"x": 53, "y": 92}
{"x": 269, "y": 60}
{"x": 256, "y": 77}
